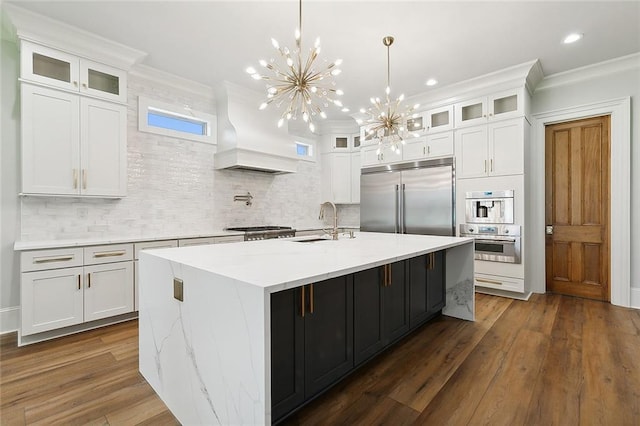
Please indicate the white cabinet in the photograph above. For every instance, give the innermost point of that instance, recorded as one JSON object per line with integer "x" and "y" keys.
{"x": 137, "y": 248}
{"x": 495, "y": 149}
{"x": 59, "y": 69}
{"x": 371, "y": 157}
{"x": 431, "y": 121}
{"x": 65, "y": 287}
{"x": 341, "y": 177}
{"x": 72, "y": 145}
{"x": 498, "y": 106}
{"x": 343, "y": 142}
{"x": 430, "y": 146}
{"x": 108, "y": 290}
{"x": 51, "y": 299}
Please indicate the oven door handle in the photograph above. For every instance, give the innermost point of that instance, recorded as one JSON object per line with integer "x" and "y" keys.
{"x": 496, "y": 240}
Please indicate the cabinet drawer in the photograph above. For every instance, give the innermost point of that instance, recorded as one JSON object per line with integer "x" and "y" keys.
{"x": 196, "y": 241}
{"x": 500, "y": 283}
{"x": 108, "y": 254}
{"x": 41, "y": 260}
{"x": 228, "y": 239}
{"x": 153, "y": 245}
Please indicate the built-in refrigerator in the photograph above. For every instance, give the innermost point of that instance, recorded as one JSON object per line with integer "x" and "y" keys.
{"x": 409, "y": 198}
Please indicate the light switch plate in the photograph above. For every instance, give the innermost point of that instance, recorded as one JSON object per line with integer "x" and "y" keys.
{"x": 178, "y": 292}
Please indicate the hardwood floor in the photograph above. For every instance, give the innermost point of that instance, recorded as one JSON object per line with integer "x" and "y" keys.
{"x": 554, "y": 360}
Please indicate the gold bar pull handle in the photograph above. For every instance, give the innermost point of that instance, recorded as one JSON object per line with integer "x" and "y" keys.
{"x": 311, "y": 298}
{"x": 110, "y": 253}
{"x": 79, "y": 278}
{"x": 75, "y": 178}
{"x": 485, "y": 166}
{"x": 89, "y": 280}
{"x": 302, "y": 301}
{"x": 84, "y": 179}
{"x": 481, "y": 280}
{"x": 491, "y": 162}
{"x": 389, "y": 275}
{"x": 53, "y": 259}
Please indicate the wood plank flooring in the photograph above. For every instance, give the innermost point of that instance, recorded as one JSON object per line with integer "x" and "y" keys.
{"x": 554, "y": 360}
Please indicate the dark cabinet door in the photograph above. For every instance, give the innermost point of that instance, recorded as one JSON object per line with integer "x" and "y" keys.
{"x": 436, "y": 292}
{"x": 287, "y": 352}
{"x": 395, "y": 303}
{"x": 328, "y": 331}
{"x": 417, "y": 278}
{"x": 367, "y": 314}
{"x": 426, "y": 277}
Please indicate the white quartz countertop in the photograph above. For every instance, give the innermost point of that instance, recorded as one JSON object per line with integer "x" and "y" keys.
{"x": 82, "y": 242}
{"x": 279, "y": 264}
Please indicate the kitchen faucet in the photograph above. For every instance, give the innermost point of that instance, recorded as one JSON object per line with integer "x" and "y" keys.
{"x": 334, "y": 233}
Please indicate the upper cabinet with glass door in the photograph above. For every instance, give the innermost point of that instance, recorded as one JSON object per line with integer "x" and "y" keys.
{"x": 431, "y": 121}
{"x": 498, "y": 106}
{"x": 55, "y": 68}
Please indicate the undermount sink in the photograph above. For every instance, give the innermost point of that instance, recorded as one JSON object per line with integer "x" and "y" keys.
{"x": 311, "y": 240}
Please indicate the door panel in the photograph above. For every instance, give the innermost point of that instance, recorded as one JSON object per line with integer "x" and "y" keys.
{"x": 577, "y": 206}
{"x": 328, "y": 330}
{"x": 395, "y": 304}
{"x": 287, "y": 352}
{"x": 428, "y": 201}
{"x": 378, "y": 201}
{"x": 367, "y": 313}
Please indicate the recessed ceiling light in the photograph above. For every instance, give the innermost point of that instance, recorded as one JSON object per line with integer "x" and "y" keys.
{"x": 432, "y": 82}
{"x": 572, "y": 38}
{"x": 345, "y": 109}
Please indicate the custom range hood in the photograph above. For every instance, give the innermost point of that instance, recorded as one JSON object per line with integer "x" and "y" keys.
{"x": 248, "y": 138}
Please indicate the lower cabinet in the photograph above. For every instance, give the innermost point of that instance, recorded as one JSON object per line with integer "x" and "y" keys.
{"x": 426, "y": 277}
{"x": 381, "y": 309}
{"x": 65, "y": 287}
{"x": 311, "y": 341}
{"x": 320, "y": 332}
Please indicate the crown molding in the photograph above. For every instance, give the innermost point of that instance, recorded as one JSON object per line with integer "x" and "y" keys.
{"x": 592, "y": 71}
{"x": 55, "y": 34}
{"x": 527, "y": 74}
{"x": 155, "y": 75}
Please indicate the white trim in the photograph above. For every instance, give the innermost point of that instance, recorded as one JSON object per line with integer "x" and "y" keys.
{"x": 635, "y": 298}
{"x": 154, "y": 75}
{"x": 146, "y": 104}
{"x": 52, "y": 33}
{"x": 588, "y": 72}
{"x": 9, "y": 319}
{"x": 620, "y": 193}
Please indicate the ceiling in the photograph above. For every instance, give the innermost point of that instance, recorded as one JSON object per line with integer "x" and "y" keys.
{"x": 209, "y": 41}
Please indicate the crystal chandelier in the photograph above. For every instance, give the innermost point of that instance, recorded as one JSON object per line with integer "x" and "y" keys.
{"x": 302, "y": 85}
{"x": 387, "y": 122}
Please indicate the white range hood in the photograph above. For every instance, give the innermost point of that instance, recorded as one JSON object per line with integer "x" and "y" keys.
{"x": 248, "y": 138}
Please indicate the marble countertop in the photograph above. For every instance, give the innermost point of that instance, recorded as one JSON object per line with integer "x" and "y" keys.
{"x": 50, "y": 244}
{"x": 279, "y": 264}
{"x": 83, "y": 242}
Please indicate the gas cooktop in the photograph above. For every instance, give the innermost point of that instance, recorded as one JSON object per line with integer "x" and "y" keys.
{"x": 264, "y": 232}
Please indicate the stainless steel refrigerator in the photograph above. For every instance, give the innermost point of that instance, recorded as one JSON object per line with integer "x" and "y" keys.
{"x": 409, "y": 198}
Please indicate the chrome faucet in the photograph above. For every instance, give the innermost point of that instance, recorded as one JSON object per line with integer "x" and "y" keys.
{"x": 334, "y": 232}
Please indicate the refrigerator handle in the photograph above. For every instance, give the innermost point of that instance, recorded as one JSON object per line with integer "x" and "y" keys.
{"x": 397, "y": 221}
{"x": 402, "y": 211}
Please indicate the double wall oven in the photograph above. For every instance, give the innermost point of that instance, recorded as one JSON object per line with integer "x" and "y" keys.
{"x": 489, "y": 220}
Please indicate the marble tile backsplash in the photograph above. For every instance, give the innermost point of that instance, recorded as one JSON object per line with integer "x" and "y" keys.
{"x": 173, "y": 189}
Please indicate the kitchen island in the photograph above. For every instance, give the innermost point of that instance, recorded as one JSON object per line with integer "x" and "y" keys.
{"x": 205, "y": 312}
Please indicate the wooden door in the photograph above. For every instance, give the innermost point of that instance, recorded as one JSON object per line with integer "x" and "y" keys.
{"x": 577, "y": 207}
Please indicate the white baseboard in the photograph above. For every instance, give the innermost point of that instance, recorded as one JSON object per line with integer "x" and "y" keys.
{"x": 635, "y": 297}
{"x": 10, "y": 319}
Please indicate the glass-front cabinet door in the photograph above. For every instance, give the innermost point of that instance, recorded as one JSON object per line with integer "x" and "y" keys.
{"x": 103, "y": 81}
{"x": 49, "y": 66}
{"x": 59, "y": 69}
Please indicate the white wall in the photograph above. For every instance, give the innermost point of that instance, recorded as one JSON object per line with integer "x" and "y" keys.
{"x": 9, "y": 186}
{"x": 598, "y": 83}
